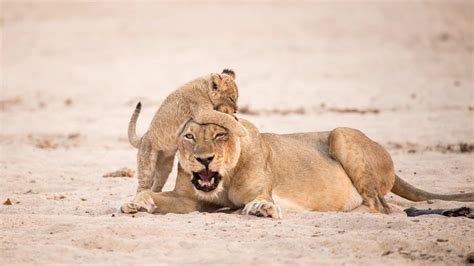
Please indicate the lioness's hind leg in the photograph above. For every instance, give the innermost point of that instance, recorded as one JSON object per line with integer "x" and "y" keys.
{"x": 164, "y": 165}
{"x": 367, "y": 164}
{"x": 375, "y": 201}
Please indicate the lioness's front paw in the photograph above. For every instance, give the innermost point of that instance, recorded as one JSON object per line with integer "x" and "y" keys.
{"x": 143, "y": 201}
{"x": 262, "y": 208}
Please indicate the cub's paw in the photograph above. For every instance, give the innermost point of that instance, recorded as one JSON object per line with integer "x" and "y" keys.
{"x": 262, "y": 208}
{"x": 143, "y": 201}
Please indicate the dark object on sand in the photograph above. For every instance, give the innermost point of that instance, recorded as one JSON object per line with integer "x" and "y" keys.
{"x": 470, "y": 257}
{"x": 462, "y": 211}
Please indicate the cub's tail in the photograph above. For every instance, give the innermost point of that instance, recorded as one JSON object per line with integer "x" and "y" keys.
{"x": 132, "y": 127}
{"x": 409, "y": 192}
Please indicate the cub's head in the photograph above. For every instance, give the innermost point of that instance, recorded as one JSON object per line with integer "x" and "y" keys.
{"x": 223, "y": 91}
{"x": 208, "y": 153}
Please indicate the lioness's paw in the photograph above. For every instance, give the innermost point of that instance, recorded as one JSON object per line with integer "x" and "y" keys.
{"x": 143, "y": 201}
{"x": 262, "y": 208}
{"x": 129, "y": 207}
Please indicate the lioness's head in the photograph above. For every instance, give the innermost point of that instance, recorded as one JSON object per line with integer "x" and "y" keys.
{"x": 223, "y": 92}
{"x": 208, "y": 153}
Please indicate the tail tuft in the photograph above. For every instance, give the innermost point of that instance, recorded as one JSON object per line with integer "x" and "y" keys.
{"x": 139, "y": 106}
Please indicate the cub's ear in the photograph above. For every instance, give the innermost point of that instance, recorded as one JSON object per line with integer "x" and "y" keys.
{"x": 229, "y": 72}
{"x": 216, "y": 79}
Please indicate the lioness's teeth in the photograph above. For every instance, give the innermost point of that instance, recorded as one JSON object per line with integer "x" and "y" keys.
{"x": 200, "y": 182}
{"x": 212, "y": 181}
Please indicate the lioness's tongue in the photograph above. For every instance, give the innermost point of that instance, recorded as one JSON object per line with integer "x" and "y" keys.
{"x": 206, "y": 183}
{"x": 206, "y": 176}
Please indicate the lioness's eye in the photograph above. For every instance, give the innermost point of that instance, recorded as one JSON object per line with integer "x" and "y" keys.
{"x": 220, "y": 135}
{"x": 231, "y": 99}
{"x": 189, "y": 136}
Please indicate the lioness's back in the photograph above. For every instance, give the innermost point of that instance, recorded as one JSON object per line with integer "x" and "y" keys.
{"x": 303, "y": 171}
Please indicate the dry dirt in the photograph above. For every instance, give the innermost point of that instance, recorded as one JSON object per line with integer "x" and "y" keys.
{"x": 71, "y": 74}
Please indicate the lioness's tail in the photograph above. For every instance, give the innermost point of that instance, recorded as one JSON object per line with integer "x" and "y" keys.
{"x": 407, "y": 191}
{"x": 132, "y": 127}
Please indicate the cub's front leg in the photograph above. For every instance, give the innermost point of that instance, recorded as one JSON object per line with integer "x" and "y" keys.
{"x": 223, "y": 119}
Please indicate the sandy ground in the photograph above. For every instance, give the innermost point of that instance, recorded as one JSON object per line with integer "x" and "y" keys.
{"x": 71, "y": 74}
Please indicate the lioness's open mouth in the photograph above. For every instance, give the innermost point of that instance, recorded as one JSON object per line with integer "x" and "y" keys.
{"x": 206, "y": 180}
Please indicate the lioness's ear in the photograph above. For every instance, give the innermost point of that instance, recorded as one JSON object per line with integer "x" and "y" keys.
{"x": 229, "y": 72}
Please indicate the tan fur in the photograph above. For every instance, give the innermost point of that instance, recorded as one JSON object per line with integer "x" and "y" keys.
{"x": 367, "y": 163}
{"x": 319, "y": 171}
{"x": 203, "y": 100}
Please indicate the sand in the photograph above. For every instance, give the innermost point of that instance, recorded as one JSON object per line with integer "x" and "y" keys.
{"x": 71, "y": 73}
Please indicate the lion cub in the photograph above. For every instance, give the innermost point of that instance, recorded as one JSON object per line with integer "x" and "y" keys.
{"x": 198, "y": 100}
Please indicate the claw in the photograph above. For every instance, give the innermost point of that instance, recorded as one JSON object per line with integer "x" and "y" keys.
{"x": 128, "y": 208}
{"x": 151, "y": 208}
{"x": 263, "y": 208}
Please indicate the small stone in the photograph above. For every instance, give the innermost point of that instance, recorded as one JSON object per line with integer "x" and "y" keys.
{"x": 113, "y": 214}
{"x": 122, "y": 172}
{"x": 55, "y": 196}
{"x": 441, "y": 240}
{"x": 8, "y": 201}
{"x": 387, "y": 253}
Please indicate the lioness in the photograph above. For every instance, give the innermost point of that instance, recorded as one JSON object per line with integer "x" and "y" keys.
{"x": 211, "y": 99}
{"x": 320, "y": 171}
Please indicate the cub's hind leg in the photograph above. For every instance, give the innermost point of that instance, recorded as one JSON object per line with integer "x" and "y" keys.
{"x": 146, "y": 163}
{"x": 164, "y": 165}
{"x": 367, "y": 164}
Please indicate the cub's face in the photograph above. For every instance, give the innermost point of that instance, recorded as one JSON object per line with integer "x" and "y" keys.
{"x": 208, "y": 153}
{"x": 223, "y": 92}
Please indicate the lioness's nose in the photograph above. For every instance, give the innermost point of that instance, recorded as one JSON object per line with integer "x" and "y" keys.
{"x": 205, "y": 161}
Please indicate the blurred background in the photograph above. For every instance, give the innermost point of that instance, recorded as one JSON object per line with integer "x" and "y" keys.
{"x": 410, "y": 58}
